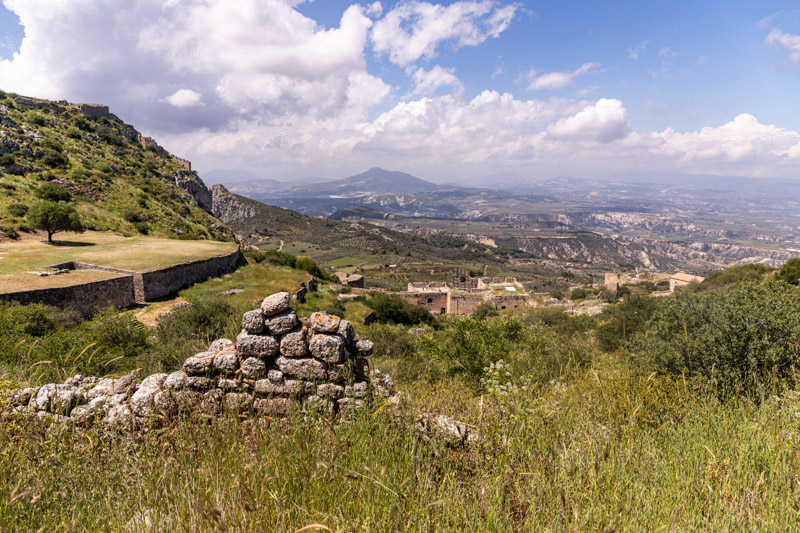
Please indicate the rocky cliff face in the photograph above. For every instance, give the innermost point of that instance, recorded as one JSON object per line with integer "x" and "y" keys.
{"x": 228, "y": 207}
{"x": 189, "y": 181}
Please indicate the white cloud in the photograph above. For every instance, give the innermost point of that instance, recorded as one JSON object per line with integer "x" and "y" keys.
{"x": 416, "y": 29}
{"x": 604, "y": 121}
{"x": 789, "y": 41}
{"x": 184, "y": 98}
{"x": 635, "y": 51}
{"x": 557, "y": 80}
{"x": 428, "y": 81}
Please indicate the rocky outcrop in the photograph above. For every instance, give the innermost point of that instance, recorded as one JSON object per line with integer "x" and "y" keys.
{"x": 278, "y": 363}
{"x": 228, "y": 207}
{"x": 190, "y": 182}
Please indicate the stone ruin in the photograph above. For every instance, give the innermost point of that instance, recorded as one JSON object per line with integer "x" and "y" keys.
{"x": 278, "y": 363}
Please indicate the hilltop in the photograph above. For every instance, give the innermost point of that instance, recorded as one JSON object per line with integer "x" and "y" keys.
{"x": 116, "y": 178}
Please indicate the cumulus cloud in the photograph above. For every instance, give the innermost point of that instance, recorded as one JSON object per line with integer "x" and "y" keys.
{"x": 557, "y": 80}
{"x": 416, "y": 29}
{"x": 604, "y": 121}
{"x": 788, "y": 41}
{"x": 427, "y": 81}
{"x": 184, "y": 98}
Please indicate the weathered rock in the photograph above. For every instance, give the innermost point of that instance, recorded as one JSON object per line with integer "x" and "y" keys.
{"x": 357, "y": 390}
{"x": 253, "y": 322}
{"x": 226, "y": 362}
{"x": 324, "y": 323}
{"x": 64, "y": 399}
{"x": 23, "y": 396}
{"x": 237, "y": 402}
{"x": 41, "y": 402}
{"x": 211, "y": 402}
{"x": 330, "y": 391}
{"x": 417, "y": 331}
{"x": 295, "y": 344}
{"x": 336, "y": 374}
{"x": 233, "y": 385}
{"x": 346, "y": 331}
{"x": 199, "y": 365}
{"x": 126, "y": 384}
{"x": 253, "y": 368}
{"x": 328, "y": 348}
{"x": 305, "y": 368}
{"x": 291, "y": 387}
{"x": 281, "y": 323}
{"x": 382, "y": 384}
{"x": 221, "y": 345}
{"x": 443, "y": 427}
{"x": 119, "y": 416}
{"x": 369, "y": 318}
{"x": 275, "y": 376}
{"x": 350, "y": 404}
{"x": 175, "y": 381}
{"x": 142, "y": 400}
{"x": 272, "y": 406}
{"x": 256, "y": 345}
{"x": 361, "y": 369}
{"x": 275, "y": 303}
{"x": 323, "y": 406}
{"x": 89, "y": 412}
{"x": 365, "y": 348}
{"x": 104, "y": 387}
{"x": 200, "y": 383}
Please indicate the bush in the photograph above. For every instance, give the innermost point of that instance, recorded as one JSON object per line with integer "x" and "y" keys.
{"x": 790, "y": 271}
{"x": 73, "y": 132}
{"x": 120, "y": 331}
{"x": 189, "y": 329}
{"x": 578, "y": 293}
{"x": 732, "y": 276}
{"x": 133, "y": 216}
{"x": 53, "y": 159}
{"x": 485, "y": 310}
{"x": 17, "y": 210}
{"x": 621, "y": 321}
{"x": 737, "y": 338}
{"x": 6, "y": 160}
{"x": 83, "y": 124}
{"x": 391, "y": 309}
{"x": 53, "y": 192}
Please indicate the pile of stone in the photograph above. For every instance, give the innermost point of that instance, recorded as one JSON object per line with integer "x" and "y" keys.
{"x": 279, "y": 362}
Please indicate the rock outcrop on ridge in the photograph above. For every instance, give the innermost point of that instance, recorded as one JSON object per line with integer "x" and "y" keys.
{"x": 278, "y": 363}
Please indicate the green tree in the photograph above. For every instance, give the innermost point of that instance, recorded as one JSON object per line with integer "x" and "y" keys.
{"x": 53, "y": 217}
{"x": 53, "y": 192}
{"x": 790, "y": 271}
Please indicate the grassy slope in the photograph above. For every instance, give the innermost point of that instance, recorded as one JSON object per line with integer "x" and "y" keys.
{"x": 107, "y": 171}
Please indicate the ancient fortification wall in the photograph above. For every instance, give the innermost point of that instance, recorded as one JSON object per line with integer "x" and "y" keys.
{"x": 160, "y": 283}
{"x": 131, "y": 287}
{"x": 84, "y": 298}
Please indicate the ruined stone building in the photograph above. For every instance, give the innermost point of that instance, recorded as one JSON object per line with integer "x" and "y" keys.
{"x": 440, "y": 298}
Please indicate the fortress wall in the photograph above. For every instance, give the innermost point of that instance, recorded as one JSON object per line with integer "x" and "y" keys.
{"x": 510, "y": 301}
{"x": 160, "y": 283}
{"x": 464, "y": 304}
{"x": 432, "y": 301}
{"x": 84, "y": 298}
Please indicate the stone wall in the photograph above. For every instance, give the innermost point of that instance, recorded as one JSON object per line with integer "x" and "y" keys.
{"x": 84, "y": 298}
{"x": 464, "y": 304}
{"x": 434, "y": 302}
{"x": 279, "y": 363}
{"x": 510, "y": 301}
{"x": 160, "y": 283}
{"x": 93, "y": 110}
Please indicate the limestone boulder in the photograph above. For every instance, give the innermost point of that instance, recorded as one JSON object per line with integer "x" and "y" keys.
{"x": 281, "y": 323}
{"x": 365, "y": 348}
{"x": 330, "y": 391}
{"x": 295, "y": 343}
{"x": 64, "y": 400}
{"x": 200, "y": 364}
{"x": 346, "y": 331}
{"x": 357, "y": 390}
{"x": 253, "y": 322}
{"x": 256, "y": 345}
{"x": 176, "y": 381}
{"x": 324, "y": 323}
{"x": 275, "y": 303}
{"x": 328, "y": 348}
{"x": 86, "y": 413}
{"x": 142, "y": 400}
{"x": 253, "y": 368}
{"x": 303, "y": 368}
{"x": 272, "y": 406}
{"x": 226, "y": 362}
{"x": 104, "y": 387}
{"x": 221, "y": 345}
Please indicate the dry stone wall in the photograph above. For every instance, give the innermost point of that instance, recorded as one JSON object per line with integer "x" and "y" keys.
{"x": 278, "y": 363}
{"x": 84, "y": 298}
{"x": 160, "y": 283}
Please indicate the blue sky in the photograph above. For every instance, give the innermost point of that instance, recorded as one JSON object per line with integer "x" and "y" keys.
{"x": 442, "y": 89}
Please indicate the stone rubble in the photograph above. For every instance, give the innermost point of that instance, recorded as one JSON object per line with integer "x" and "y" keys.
{"x": 279, "y": 362}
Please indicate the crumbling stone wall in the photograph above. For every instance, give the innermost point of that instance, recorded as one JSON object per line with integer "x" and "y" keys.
{"x": 278, "y": 363}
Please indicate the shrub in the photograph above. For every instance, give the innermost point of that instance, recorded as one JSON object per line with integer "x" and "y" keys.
{"x": 54, "y": 159}
{"x": 578, "y": 293}
{"x": 737, "y": 338}
{"x": 6, "y": 160}
{"x": 53, "y": 192}
{"x": 485, "y": 310}
{"x": 120, "y": 331}
{"x": 17, "y": 210}
{"x": 83, "y": 124}
{"x": 392, "y": 309}
{"x": 790, "y": 271}
{"x": 732, "y": 276}
{"x": 133, "y": 216}
{"x": 73, "y": 132}
{"x": 620, "y": 322}
{"x": 188, "y": 329}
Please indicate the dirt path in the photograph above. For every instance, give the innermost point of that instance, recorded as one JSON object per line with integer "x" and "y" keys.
{"x": 281, "y": 246}
{"x": 149, "y": 315}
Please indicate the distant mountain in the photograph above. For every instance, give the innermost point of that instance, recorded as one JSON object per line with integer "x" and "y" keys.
{"x": 374, "y": 181}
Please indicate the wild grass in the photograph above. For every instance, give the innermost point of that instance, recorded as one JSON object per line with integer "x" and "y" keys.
{"x": 601, "y": 449}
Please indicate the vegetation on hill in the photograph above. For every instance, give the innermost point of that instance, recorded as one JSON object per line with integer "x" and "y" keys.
{"x": 53, "y": 152}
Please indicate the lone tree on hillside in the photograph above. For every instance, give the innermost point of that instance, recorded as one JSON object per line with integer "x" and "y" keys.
{"x": 54, "y": 217}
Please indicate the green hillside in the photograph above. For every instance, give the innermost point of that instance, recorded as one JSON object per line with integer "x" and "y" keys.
{"x": 53, "y": 150}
